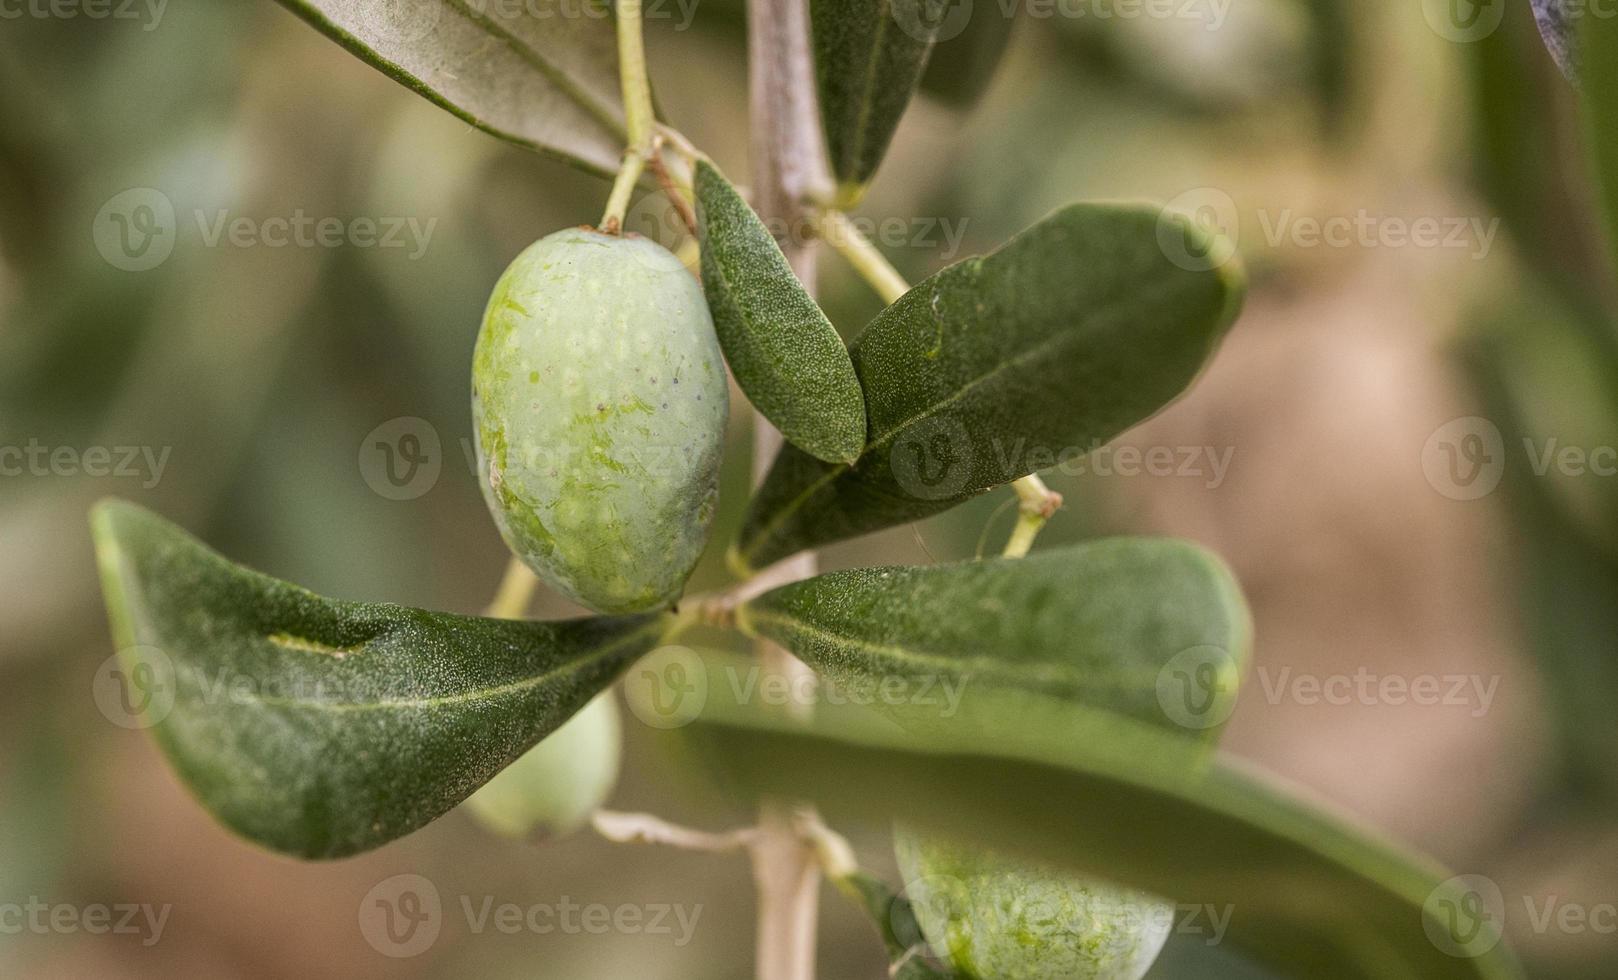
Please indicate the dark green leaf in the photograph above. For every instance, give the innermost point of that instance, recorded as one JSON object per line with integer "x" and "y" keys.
{"x": 961, "y": 68}
{"x": 322, "y": 727}
{"x": 1075, "y": 330}
{"x": 543, "y": 75}
{"x": 785, "y": 354}
{"x": 1306, "y": 892}
{"x": 869, "y": 55}
{"x": 1151, "y": 631}
{"x": 1532, "y": 175}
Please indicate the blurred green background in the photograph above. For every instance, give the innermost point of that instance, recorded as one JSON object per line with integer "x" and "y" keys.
{"x": 258, "y": 378}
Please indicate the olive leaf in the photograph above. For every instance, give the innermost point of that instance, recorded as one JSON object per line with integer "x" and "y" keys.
{"x": 1149, "y": 632}
{"x": 1080, "y": 644}
{"x": 1307, "y": 892}
{"x": 785, "y": 354}
{"x": 960, "y": 68}
{"x": 321, "y": 727}
{"x": 541, "y": 74}
{"x": 1078, "y": 328}
{"x": 869, "y": 56}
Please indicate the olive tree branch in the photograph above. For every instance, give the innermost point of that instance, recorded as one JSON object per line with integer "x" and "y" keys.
{"x": 643, "y": 828}
{"x": 788, "y": 168}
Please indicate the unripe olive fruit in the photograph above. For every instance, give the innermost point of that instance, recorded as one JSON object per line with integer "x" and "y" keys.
{"x": 599, "y": 400}
{"x": 551, "y": 790}
{"x": 995, "y": 919}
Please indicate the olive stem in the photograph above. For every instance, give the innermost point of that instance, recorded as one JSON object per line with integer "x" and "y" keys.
{"x": 640, "y": 118}
{"x": 1035, "y": 504}
{"x": 516, "y": 591}
{"x": 841, "y": 234}
{"x": 1035, "y": 501}
{"x": 832, "y": 850}
{"x": 643, "y": 828}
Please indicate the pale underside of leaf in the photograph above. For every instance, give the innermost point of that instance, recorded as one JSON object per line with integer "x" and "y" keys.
{"x": 546, "y": 83}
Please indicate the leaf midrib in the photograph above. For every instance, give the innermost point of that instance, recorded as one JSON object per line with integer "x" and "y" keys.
{"x": 960, "y": 667}
{"x": 464, "y": 697}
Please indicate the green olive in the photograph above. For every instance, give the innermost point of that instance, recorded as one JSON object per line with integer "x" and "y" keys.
{"x": 995, "y": 919}
{"x": 599, "y": 399}
{"x": 551, "y": 790}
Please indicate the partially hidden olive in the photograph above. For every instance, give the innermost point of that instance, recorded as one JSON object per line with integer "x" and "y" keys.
{"x": 996, "y": 919}
{"x": 551, "y": 790}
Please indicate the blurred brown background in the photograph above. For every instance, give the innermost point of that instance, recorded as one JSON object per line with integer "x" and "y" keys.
{"x": 1319, "y": 455}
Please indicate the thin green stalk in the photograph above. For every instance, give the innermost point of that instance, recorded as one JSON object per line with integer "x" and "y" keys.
{"x": 1035, "y": 504}
{"x": 639, "y": 117}
{"x": 516, "y": 591}
{"x": 874, "y": 267}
